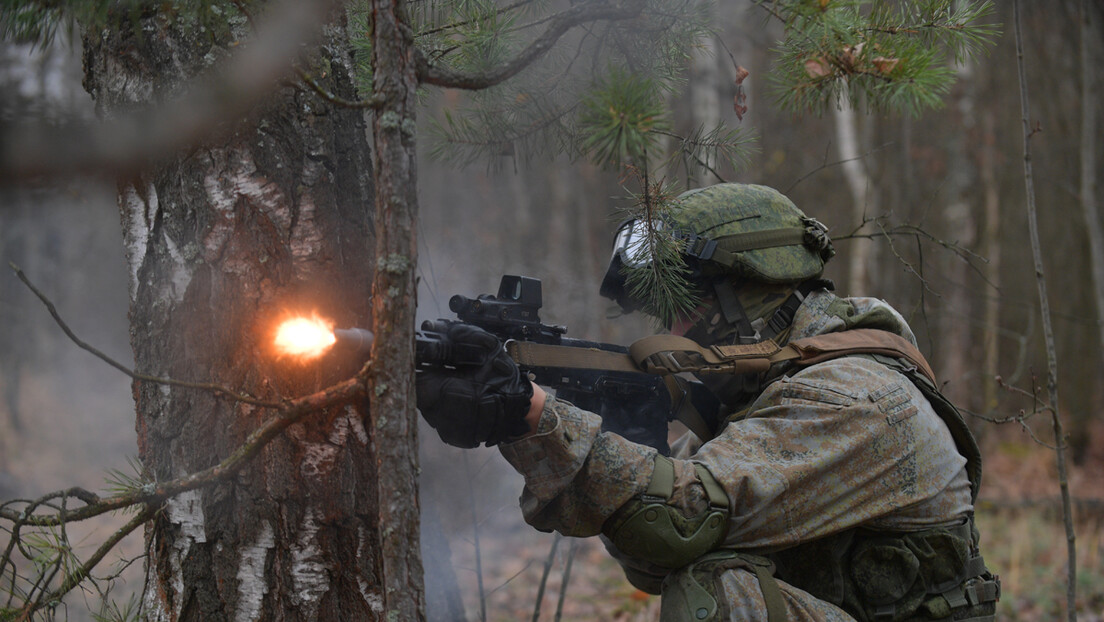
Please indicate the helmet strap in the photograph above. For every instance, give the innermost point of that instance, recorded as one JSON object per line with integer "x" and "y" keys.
{"x": 733, "y": 311}
{"x": 737, "y": 326}
{"x": 783, "y": 317}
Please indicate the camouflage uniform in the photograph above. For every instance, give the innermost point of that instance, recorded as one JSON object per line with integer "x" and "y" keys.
{"x": 835, "y": 446}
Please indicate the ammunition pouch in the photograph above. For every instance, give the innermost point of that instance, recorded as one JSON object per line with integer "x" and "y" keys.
{"x": 935, "y": 574}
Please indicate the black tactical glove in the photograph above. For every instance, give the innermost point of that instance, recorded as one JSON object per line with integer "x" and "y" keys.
{"x": 481, "y": 403}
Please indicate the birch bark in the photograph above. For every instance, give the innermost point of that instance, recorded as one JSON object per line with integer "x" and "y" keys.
{"x": 268, "y": 217}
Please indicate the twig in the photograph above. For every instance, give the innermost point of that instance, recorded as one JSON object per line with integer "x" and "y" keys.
{"x": 559, "y": 25}
{"x": 963, "y": 253}
{"x": 374, "y": 102}
{"x": 82, "y": 573}
{"x": 826, "y": 164}
{"x": 510, "y": 579}
{"x": 123, "y": 368}
{"x": 1048, "y": 331}
{"x": 571, "y": 550}
{"x": 544, "y": 576}
{"x": 475, "y": 535}
{"x": 154, "y": 492}
{"x": 455, "y": 25}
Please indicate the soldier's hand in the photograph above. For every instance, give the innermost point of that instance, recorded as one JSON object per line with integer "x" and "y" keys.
{"x": 484, "y": 403}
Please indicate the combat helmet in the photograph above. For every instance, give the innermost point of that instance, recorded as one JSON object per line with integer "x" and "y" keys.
{"x": 734, "y": 235}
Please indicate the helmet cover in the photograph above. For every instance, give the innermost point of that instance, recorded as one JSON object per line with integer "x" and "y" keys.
{"x": 733, "y": 215}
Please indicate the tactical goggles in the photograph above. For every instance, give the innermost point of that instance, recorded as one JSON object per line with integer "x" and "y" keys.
{"x": 630, "y": 242}
{"x": 631, "y": 250}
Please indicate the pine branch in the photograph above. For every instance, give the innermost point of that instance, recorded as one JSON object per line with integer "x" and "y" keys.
{"x": 891, "y": 56}
{"x": 560, "y": 24}
{"x": 660, "y": 280}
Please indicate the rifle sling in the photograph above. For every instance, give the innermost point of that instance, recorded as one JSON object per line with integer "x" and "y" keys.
{"x": 667, "y": 355}
{"x": 532, "y": 354}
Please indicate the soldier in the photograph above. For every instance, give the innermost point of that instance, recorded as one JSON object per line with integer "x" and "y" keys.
{"x": 835, "y": 490}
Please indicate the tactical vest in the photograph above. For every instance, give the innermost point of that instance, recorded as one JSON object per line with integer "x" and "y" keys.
{"x": 936, "y": 574}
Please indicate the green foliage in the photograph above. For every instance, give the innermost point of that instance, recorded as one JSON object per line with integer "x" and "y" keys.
{"x": 699, "y": 151}
{"x": 661, "y": 283}
{"x": 888, "y": 55}
{"x": 360, "y": 24}
{"x": 121, "y": 482}
{"x": 619, "y": 119}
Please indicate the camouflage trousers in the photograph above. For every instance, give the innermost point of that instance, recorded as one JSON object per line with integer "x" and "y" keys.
{"x": 727, "y": 586}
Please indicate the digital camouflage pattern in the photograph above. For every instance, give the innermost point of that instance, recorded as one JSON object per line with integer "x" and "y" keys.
{"x": 838, "y": 445}
{"x": 723, "y": 210}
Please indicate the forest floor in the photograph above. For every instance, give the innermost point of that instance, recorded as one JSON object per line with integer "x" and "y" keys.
{"x": 1019, "y": 516}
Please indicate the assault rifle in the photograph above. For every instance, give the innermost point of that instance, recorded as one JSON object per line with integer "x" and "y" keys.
{"x": 633, "y": 404}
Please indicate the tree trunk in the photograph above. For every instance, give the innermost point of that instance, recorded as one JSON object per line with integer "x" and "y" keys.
{"x": 1089, "y": 140}
{"x": 270, "y": 218}
{"x": 394, "y": 420}
{"x": 956, "y": 363}
{"x": 704, "y": 88}
{"x": 864, "y": 201}
{"x": 991, "y": 249}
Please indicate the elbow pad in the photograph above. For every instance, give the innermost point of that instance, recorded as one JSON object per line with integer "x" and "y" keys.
{"x": 649, "y": 529}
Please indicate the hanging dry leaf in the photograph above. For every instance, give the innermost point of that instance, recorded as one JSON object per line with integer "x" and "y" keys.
{"x": 817, "y": 67}
{"x": 885, "y": 65}
{"x": 739, "y": 100}
{"x": 849, "y": 57}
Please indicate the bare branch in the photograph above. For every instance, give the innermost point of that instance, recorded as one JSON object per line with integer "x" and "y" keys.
{"x": 239, "y": 397}
{"x": 292, "y": 411}
{"x": 1048, "y": 331}
{"x": 556, "y": 537}
{"x": 559, "y": 25}
{"x": 373, "y": 103}
{"x": 75, "y": 578}
{"x": 826, "y": 164}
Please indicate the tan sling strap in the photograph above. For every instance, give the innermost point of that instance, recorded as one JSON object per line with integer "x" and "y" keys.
{"x": 814, "y": 350}
{"x": 670, "y": 354}
{"x": 666, "y": 354}
{"x": 532, "y": 354}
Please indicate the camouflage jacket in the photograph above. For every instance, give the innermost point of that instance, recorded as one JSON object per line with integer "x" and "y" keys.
{"x": 837, "y": 445}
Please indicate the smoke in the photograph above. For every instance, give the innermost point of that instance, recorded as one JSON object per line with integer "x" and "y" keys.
{"x": 65, "y": 417}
